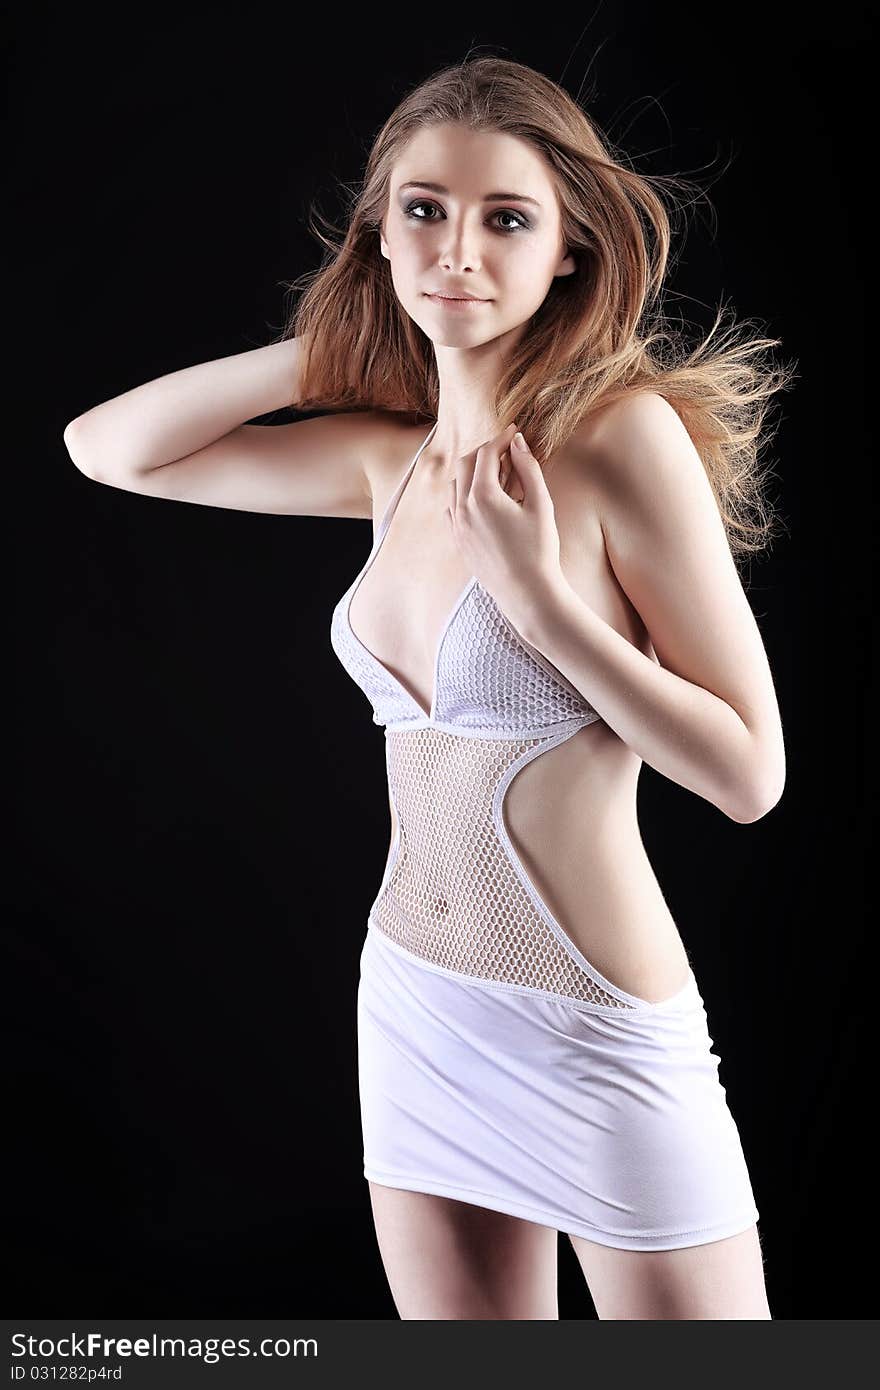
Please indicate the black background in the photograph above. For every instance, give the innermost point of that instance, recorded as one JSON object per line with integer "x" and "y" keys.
{"x": 200, "y": 820}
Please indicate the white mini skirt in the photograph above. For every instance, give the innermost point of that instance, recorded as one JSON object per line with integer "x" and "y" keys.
{"x": 605, "y": 1123}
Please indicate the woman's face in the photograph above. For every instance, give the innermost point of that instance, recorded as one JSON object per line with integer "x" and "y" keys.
{"x": 460, "y": 238}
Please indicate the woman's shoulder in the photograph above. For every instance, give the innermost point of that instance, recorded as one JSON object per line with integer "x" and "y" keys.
{"x": 391, "y": 440}
{"x": 611, "y": 430}
{"x": 610, "y": 420}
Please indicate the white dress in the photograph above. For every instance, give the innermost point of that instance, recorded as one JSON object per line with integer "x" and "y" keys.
{"x": 496, "y": 1064}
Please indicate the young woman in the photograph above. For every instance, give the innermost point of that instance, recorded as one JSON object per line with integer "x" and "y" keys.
{"x": 551, "y": 599}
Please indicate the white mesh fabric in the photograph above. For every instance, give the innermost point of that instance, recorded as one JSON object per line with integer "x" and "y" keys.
{"x": 451, "y": 894}
{"x": 488, "y": 678}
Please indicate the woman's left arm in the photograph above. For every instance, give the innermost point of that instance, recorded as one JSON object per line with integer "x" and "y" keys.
{"x": 707, "y": 715}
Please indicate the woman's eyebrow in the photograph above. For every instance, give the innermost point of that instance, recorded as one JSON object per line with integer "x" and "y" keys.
{"x": 489, "y": 198}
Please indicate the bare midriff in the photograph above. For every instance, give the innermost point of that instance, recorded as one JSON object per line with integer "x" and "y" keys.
{"x": 571, "y": 815}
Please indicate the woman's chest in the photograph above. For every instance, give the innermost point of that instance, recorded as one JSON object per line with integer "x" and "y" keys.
{"x": 413, "y": 590}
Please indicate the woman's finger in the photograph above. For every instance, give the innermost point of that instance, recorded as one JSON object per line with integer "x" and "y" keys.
{"x": 505, "y": 471}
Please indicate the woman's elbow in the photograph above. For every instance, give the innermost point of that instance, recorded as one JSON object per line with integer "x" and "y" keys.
{"x": 758, "y": 797}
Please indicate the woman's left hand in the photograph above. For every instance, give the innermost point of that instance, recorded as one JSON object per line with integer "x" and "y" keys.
{"x": 511, "y": 546}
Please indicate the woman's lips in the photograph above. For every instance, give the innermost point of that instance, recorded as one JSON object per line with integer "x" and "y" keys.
{"x": 449, "y": 303}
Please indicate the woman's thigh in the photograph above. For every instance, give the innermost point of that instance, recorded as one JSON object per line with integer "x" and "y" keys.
{"x": 450, "y": 1259}
{"x": 722, "y": 1279}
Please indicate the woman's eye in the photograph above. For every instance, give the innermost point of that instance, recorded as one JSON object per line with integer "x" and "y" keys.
{"x": 502, "y": 212}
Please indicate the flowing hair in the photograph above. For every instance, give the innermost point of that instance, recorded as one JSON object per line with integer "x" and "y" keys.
{"x": 600, "y": 332}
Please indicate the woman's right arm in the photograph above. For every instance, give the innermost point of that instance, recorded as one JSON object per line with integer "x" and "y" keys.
{"x": 184, "y": 436}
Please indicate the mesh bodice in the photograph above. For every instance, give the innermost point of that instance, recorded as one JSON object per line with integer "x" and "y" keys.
{"x": 455, "y": 893}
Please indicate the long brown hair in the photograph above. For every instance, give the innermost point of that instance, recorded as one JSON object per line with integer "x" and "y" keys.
{"x": 600, "y": 333}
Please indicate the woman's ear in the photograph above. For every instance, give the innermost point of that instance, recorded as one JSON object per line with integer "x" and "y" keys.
{"x": 568, "y": 264}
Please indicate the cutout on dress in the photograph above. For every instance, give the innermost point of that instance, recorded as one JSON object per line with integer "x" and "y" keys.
{"x": 453, "y": 894}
